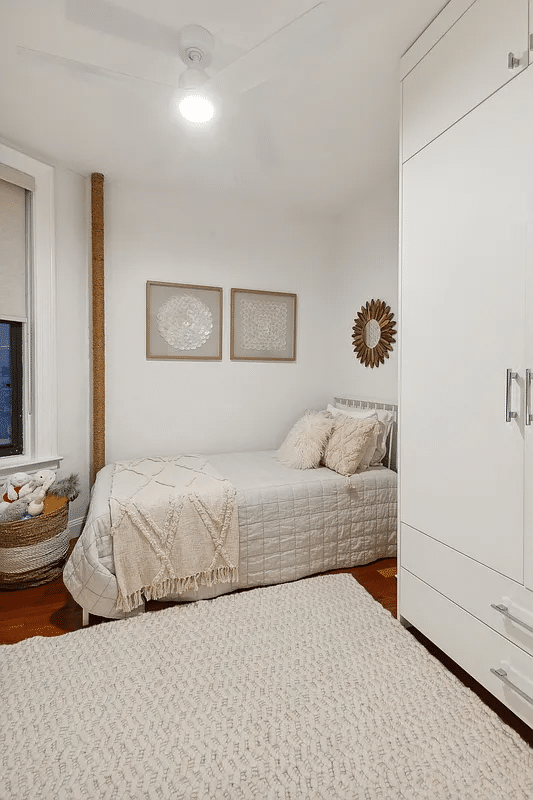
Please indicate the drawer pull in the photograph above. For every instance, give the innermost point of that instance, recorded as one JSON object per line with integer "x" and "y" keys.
{"x": 502, "y": 675}
{"x": 505, "y": 611}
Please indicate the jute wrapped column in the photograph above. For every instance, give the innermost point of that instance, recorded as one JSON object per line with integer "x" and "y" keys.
{"x": 98, "y": 323}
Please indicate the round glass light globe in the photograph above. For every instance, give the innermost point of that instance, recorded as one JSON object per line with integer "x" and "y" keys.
{"x": 196, "y": 108}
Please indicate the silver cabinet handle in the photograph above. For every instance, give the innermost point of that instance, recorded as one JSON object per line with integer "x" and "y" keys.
{"x": 512, "y": 61}
{"x": 502, "y": 675}
{"x": 509, "y": 415}
{"x": 529, "y": 415}
{"x": 505, "y": 611}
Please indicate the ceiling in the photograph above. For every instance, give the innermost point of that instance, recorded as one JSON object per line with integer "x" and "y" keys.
{"x": 318, "y": 130}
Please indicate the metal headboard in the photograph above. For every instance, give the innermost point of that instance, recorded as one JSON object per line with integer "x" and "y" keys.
{"x": 351, "y": 402}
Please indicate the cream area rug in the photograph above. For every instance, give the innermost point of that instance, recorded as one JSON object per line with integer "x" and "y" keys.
{"x": 307, "y": 690}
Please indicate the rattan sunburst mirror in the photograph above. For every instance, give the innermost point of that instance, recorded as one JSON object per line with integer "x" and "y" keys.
{"x": 373, "y": 333}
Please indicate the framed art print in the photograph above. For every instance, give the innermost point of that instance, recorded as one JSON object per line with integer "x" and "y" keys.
{"x": 183, "y": 321}
{"x": 263, "y": 326}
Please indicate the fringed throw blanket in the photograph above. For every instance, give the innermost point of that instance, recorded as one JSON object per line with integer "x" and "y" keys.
{"x": 174, "y": 527}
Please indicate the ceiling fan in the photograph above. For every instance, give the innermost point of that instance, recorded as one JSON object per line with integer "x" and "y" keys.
{"x": 213, "y": 71}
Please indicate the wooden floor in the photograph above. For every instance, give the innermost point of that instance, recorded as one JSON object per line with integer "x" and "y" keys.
{"x": 49, "y": 610}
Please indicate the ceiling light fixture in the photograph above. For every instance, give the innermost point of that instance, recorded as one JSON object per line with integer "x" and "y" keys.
{"x": 195, "y": 46}
{"x": 196, "y": 108}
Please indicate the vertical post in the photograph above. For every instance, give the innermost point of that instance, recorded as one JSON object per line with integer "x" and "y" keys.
{"x": 98, "y": 323}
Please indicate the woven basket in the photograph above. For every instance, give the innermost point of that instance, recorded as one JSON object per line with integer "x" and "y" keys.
{"x": 34, "y": 551}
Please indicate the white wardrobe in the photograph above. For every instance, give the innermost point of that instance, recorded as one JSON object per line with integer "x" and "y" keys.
{"x": 466, "y": 345}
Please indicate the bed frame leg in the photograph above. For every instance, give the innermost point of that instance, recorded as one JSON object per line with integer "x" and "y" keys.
{"x": 84, "y": 617}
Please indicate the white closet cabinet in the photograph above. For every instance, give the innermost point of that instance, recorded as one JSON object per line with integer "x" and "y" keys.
{"x": 466, "y": 447}
{"x": 463, "y": 317}
{"x": 482, "y": 50}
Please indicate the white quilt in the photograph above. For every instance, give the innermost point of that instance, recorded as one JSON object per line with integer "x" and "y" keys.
{"x": 292, "y": 523}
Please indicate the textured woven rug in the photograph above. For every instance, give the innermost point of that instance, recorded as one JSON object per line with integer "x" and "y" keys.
{"x": 305, "y": 690}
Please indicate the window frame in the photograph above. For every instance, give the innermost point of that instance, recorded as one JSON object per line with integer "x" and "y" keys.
{"x": 40, "y": 424}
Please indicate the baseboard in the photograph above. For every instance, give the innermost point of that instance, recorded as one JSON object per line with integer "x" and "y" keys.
{"x": 75, "y": 527}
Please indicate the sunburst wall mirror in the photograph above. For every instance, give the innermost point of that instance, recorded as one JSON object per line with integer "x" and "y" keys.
{"x": 373, "y": 333}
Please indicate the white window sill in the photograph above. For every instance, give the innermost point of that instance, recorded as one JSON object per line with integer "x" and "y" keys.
{"x": 10, "y": 464}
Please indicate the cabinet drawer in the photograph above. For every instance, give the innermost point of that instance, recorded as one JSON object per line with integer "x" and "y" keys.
{"x": 470, "y": 584}
{"x": 464, "y": 67}
{"x": 469, "y": 642}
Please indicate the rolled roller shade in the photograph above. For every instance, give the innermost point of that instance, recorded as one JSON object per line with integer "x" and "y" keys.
{"x": 22, "y": 179}
{"x": 12, "y": 249}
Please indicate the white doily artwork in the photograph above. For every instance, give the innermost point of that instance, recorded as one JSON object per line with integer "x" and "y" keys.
{"x": 264, "y": 325}
{"x": 184, "y": 322}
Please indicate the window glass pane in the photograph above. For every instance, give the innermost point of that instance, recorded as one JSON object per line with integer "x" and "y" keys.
{"x": 6, "y": 408}
{"x": 11, "y": 373}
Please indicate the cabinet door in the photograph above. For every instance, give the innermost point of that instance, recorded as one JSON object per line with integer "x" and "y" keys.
{"x": 465, "y": 210}
{"x": 528, "y": 428}
{"x": 467, "y": 64}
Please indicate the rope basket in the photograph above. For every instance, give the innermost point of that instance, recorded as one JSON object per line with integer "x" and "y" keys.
{"x": 34, "y": 551}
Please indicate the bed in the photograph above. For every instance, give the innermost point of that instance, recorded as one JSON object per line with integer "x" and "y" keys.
{"x": 292, "y": 523}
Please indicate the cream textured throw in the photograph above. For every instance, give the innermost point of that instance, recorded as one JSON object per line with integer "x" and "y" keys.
{"x": 174, "y": 527}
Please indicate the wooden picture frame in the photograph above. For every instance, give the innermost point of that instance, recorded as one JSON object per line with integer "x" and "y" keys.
{"x": 183, "y": 322}
{"x": 263, "y": 325}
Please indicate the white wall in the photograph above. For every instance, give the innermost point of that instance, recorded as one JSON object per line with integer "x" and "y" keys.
{"x": 166, "y": 407}
{"x": 72, "y": 306}
{"x": 366, "y": 268}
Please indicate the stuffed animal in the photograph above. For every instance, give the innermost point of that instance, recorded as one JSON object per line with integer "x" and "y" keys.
{"x": 33, "y": 489}
{"x": 15, "y": 510}
{"x": 66, "y": 487}
{"x": 35, "y": 506}
{"x": 18, "y": 479}
{"x": 40, "y": 480}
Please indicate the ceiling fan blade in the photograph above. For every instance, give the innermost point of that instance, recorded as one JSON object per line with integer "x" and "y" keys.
{"x": 74, "y": 66}
{"x": 277, "y": 53}
{"x": 106, "y": 17}
{"x": 99, "y": 15}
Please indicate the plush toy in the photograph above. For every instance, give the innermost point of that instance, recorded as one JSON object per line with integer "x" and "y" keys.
{"x": 33, "y": 489}
{"x": 15, "y": 510}
{"x": 18, "y": 479}
{"x": 40, "y": 480}
{"x": 35, "y": 506}
{"x": 66, "y": 487}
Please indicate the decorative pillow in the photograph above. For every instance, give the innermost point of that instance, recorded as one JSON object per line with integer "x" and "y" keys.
{"x": 385, "y": 418}
{"x": 348, "y": 443}
{"x": 305, "y": 443}
{"x": 360, "y": 413}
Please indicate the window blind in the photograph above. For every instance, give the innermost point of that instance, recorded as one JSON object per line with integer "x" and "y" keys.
{"x": 12, "y": 249}
{"x": 12, "y": 175}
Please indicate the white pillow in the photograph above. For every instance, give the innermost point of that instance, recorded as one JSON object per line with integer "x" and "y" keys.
{"x": 360, "y": 413}
{"x": 348, "y": 443}
{"x": 385, "y": 418}
{"x": 306, "y": 441}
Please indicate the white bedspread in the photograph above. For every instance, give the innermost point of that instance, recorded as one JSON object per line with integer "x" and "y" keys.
{"x": 292, "y": 523}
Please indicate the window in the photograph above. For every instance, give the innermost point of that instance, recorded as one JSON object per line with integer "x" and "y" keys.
{"x": 28, "y": 399}
{"x": 11, "y": 369}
